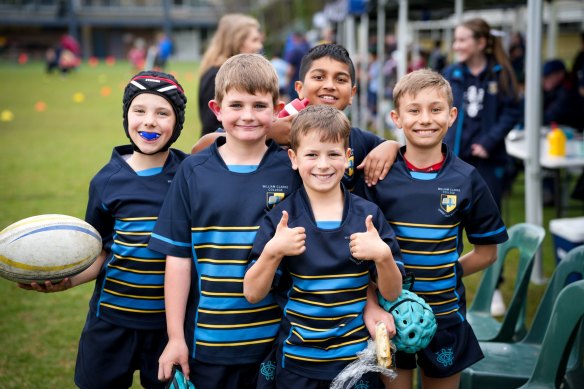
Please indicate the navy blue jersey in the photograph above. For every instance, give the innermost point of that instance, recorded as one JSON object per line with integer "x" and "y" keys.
{"x": 212, "y": 215}
{"x": 428, "y": 212}
{"x": 123, "y": 206}
{"x": 322, "y": 291}
{"x": 361, "y": 143}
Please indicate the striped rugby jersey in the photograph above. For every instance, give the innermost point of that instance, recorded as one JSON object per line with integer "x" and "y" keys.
{"x": 212, "y": 215}
{"x": 322, "y": 291}
{"x": 123, "y": 206}
{"x": 428, "y": 212}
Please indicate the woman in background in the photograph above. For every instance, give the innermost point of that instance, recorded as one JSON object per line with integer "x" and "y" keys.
{"x": 236, "y": 34}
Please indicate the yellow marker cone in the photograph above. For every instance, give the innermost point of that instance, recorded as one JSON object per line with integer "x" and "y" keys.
{"x": 6, "y": 116}
{"x": 78, "y": 97}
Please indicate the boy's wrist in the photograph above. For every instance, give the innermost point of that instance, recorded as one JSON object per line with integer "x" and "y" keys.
{"x": 384, "y": 256}
{"x": 272, "y": 253}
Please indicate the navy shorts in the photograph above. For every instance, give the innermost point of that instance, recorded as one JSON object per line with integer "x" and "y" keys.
{"x": 285, "y": 379}
{"x": 451, "y": 350}
{"x": 109, "y": 355}
{"x": 272, "y": 376}
{"x": 212, "y": 376}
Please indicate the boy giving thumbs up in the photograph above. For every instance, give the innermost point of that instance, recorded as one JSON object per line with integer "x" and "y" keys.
{"x": 318, "y": 251}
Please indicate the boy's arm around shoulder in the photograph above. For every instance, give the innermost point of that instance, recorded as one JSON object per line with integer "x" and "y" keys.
{"x": 206, "y": 141}
{"x": 380, "y": 157}
{"x": 285, "y": 242}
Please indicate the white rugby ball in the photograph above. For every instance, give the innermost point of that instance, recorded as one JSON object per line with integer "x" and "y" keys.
{"x": 47, "y": 247}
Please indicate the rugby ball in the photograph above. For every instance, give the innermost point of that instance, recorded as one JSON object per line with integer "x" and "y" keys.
{"x": 47, "y": 247}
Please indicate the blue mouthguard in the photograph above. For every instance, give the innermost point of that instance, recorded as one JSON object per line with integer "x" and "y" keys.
{"x": 149, "y": 135}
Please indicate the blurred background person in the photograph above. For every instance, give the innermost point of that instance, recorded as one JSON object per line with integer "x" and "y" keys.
{"x": 517, "y": 57}
{"x": 282, "y": 69}
{"x": 163, "y": 52}
{"x": 64, "y": 56}
{"x": 137, "y": 54}
{"x": 562, "y": 103}
{"x": 486, "y": 96}
{"x": 437, "y": 59}
{"x": 236, "y": 34}
{"x": 297, "y": 47}
{"x": 485, "y": 93}
{"x": 578, "y": 62}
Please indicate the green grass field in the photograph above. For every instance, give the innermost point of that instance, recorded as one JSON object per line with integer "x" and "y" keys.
{"x": 48, "y": 159}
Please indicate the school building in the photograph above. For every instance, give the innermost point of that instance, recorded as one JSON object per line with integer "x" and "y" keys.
{"x": 105, "y": 27}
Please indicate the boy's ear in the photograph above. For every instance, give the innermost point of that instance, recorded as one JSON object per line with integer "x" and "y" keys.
{"x": 453, "y": 116}
{"x": 278, "y": 108}
{"x": 347, "y": 157}
{"x": 396, "y": 119}
{"x": 298, "y": 88}
{"x": 353, "y": 91}
{"x": 216, "y": 108}
{"x": 292, "y": 156}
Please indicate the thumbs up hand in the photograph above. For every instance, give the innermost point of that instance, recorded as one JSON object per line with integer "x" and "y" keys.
{"x": 287, "y": 241}
{"x": 368, "y": 245}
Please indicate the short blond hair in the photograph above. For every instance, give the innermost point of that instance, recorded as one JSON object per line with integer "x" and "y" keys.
{"x": 250, "y": 73}
{"x": 331, "y": 123}
{"x": 418, "y": 80}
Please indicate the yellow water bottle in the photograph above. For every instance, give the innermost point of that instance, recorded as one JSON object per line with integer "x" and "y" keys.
{"x": 556, "y": 142}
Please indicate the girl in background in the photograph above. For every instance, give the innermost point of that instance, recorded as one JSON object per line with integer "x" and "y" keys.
{"x": 236, "y": 34}
{"x": 486, "y": 96}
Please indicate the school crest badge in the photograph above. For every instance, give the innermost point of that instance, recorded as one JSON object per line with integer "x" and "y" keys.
{"x": 448, "y": 202}
{"x": 351, "y": 168}
{"x": 493, "y": 87}
{"x": 273, "y": 198}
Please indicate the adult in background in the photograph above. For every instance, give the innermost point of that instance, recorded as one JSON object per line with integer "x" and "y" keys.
{"x": 562, "y": 104}
{"x": 282, "y": 67}
{"x": 236, "y": 34}
{"x": 297, "y": 47}
{"x": 578, "y": 62}
{"x": 437, "y": 59}
{"x": 164, "y": 51}
{"x": 485, "y": 93}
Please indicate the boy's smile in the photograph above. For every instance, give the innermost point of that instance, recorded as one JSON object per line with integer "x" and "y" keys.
{"x": 151, "y": 121}
{"x": 327, "y": 82}
{"x": 321, "y": 165}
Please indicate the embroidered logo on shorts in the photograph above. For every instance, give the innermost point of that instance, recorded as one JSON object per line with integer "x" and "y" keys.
{"x": 268, "y": 370}
{"x": 445, "y": 356}
{"x": 361, "y": 385}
